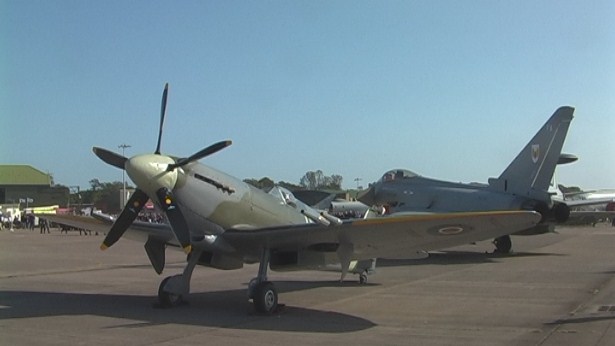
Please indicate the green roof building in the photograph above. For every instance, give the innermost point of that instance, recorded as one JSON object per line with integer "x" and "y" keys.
{"x": 30, "y": 186}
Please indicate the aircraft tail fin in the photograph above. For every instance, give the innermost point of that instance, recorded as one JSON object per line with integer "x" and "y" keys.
{"x": 530, "y": 173}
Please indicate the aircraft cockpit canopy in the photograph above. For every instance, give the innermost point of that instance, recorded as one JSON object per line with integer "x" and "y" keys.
{"x": 398, "y": 174}
{"x": 284, "y": 195}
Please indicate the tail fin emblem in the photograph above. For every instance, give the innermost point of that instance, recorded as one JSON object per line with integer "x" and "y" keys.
{"x": 535, "y": 152}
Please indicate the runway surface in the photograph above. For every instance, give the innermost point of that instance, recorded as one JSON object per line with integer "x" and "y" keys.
{"x": 58, "y": 289}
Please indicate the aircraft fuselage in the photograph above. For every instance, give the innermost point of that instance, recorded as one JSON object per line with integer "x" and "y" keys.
{"x": 408, "y": 192}
{"x": 213, "y": 201}
{"x": 430, "y": 195}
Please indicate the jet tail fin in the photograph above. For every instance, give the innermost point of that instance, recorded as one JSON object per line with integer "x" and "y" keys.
{"x": 530, "y": 173}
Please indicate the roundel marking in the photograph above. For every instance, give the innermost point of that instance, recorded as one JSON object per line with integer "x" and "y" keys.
{"x": 450, "y": 230}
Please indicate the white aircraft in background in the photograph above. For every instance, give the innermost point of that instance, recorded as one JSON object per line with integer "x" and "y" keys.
{"x": 589, "y": 206}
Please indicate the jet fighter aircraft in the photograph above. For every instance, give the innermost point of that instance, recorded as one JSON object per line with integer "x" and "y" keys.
{"x": 222, "y": 222}
{"x": 523, "y": 185}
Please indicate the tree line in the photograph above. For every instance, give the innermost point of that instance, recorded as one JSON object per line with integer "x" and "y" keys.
{"x": 312, "y": 180}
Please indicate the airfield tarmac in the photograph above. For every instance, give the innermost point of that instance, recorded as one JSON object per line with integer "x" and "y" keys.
{"x": 58, "y": 289}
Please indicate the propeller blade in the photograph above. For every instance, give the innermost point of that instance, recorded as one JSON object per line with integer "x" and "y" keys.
{"x": 128, "y": 215}
{"x": 163, "y": 110}
{"x": 201, "y": 154}
{"x": 110, "y": 157}
{"x": 176, "y": 218}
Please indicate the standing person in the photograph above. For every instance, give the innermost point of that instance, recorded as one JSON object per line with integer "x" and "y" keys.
{"x": 44, "y": 225}
{"x": 30, "y": 218}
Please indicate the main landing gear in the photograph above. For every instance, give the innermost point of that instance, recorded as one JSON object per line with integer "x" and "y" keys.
{"x": 263, "y": 293}
{"x": 173, "y": 289}
{"x": 503, "y": 244}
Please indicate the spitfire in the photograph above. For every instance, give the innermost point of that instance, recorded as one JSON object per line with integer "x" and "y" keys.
{"x": 222, "y": 222}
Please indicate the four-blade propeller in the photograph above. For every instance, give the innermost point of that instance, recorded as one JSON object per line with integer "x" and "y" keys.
{"x": 110, "y": 157}
{"x": 128, "y": 215}
{"x": 155, "y": 176}
{"x": 199, "y": 155}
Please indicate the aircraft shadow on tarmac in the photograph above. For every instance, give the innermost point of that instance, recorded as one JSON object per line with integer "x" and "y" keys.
{"x": 223, "y": 309}
{"x": 584, "y": 319}
{"x": 458, "y": 257}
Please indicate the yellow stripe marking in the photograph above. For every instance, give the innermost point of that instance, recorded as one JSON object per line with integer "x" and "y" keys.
{"x": 435, "y": 217}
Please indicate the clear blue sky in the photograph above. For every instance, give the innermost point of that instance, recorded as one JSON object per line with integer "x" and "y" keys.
{"x": 449, "y": 89}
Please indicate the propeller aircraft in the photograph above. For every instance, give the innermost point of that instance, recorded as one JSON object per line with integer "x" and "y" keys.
{"x": 222, "y": 222}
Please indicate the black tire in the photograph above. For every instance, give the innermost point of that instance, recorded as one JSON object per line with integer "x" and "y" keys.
{"x": 503, "y": 244}
{"x": 166, "y": 299}
{"x": 265, "y": 297}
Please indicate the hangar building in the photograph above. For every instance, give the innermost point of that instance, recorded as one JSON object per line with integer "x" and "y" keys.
{"x": 24, "y": 182}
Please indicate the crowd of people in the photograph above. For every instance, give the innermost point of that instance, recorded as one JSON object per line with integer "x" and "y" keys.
{"x": 151, "y": 217}
{"x": 348, "y": 214}
{"x": 29, "y": 221}
{"x": 26, "y": 221}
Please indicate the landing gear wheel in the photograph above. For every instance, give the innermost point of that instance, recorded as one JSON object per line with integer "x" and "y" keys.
{"x": 503, "y": 244}
{"x": 363, "y": 279}
{"x": 167, "y": 299}
{"x": 265, "y": 297}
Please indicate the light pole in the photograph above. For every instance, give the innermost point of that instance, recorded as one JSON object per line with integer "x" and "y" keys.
{"x": 72, "y": 190}
{"x": 357, "y": 180}
{"x": 123, "y": 200}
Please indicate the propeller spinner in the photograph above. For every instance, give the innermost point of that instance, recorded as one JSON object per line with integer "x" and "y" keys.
{"x": 155, "y": 175}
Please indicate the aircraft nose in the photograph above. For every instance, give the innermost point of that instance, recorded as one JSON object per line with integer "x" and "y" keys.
{"x": 149, "y": 172}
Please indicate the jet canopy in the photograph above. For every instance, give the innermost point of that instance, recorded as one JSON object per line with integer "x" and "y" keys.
{"x": 398, "y": 174}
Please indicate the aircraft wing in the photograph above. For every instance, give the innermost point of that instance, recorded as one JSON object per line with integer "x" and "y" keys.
{"x": 101, "y": 223}
{"x": 386, "y": 237}
{"x": 396, "y": 236}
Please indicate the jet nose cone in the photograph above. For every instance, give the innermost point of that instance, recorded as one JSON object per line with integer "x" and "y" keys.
{"x": 149, "y": 172}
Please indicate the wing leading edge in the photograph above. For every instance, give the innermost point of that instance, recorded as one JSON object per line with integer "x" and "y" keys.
{"x": 388, "y": 237}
